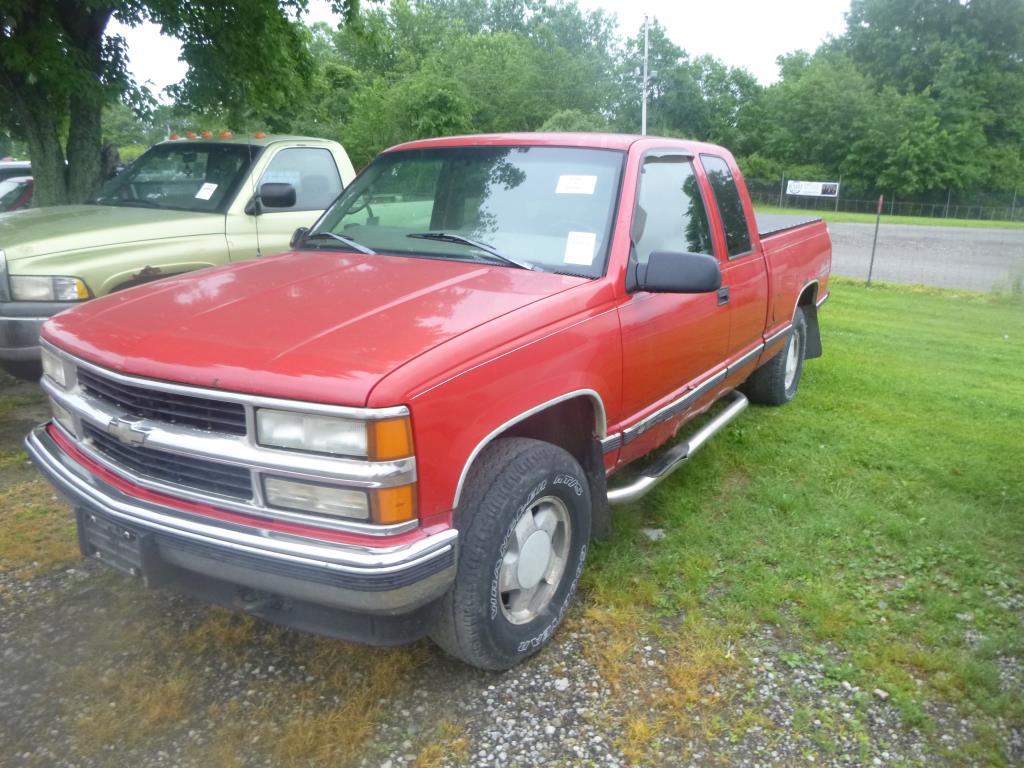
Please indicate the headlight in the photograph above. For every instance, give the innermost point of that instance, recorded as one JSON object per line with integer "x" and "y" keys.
{"x": 307, "y": 432}
{"x": 381, "y": 440}
{"x": 53, "y": 367}
{"x": 318, "y": 499}
{"x": 382, "y": 506}
{"x": 45, "y": 288}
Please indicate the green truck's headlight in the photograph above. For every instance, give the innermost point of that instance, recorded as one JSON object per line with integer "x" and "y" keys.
{"x": 46, "y": 288}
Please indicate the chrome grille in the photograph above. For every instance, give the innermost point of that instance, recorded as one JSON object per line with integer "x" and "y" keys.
{"x": 185, "y": 471}
{"x": 202, "y": 412}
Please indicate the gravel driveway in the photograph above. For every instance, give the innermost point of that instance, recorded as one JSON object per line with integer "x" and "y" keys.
{"x": 99, "y": 671}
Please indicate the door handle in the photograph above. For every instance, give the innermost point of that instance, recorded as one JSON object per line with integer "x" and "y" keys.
{"x": 723, "y": 295}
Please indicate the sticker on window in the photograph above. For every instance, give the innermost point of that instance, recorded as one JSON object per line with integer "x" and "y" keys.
{"x": 579, "y": 248}
{"x": 206, "y": 191}
{"x": 576, "y": 185}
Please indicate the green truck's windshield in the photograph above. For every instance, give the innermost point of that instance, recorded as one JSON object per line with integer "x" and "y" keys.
{"x": 546, "y": 208}
{"x": 189, "y": 176}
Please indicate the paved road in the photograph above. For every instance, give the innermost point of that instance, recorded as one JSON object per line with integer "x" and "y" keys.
{"x": 946, "y": 257}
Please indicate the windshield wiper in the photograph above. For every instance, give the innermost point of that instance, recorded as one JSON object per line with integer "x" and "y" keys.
{"x": 344, "y": 239}
{"x": 450, "y": 237}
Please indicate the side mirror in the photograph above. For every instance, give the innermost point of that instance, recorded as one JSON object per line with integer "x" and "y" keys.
{"x": 277, "y": 195}
{"x": 297, "y": 237}
{"x": 273, "y": 195}
{"x": 669, "y": 272}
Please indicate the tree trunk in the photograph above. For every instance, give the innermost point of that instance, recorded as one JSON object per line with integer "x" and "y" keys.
{"x": 85, "y": 108}
{"x": 46, "y": 110}
{"x": 42, "y": 134}
{"x": 85, "y": 141}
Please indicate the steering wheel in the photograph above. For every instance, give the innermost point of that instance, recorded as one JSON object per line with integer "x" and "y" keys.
{"x": 365, "y": 204}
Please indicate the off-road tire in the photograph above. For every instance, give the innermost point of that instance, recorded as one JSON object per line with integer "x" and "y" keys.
{"x": 507, "y": 477}
{"x": 767, "y": 385}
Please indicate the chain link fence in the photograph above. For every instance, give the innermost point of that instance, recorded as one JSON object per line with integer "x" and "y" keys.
{"x": 952, "y": 204}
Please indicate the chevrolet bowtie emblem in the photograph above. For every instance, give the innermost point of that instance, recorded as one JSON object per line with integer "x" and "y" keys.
{"x": 128, "y": 432}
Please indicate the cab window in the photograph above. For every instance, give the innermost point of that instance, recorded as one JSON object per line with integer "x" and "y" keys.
{"x": 730, "y": 207}
{"x": 670, "y": 213}
{"x": 313, "y": 173}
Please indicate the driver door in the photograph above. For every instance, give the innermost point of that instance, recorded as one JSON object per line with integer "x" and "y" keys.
{"x": 313, "y": 173}
{"x": 670, "y": 341}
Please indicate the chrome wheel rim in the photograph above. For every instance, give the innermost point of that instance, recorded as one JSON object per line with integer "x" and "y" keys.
{"x": 792, "y": 358}
{"x": 535, "y": 561}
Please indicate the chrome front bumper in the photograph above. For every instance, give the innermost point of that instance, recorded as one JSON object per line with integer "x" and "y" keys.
{"x": 376, "y": 580}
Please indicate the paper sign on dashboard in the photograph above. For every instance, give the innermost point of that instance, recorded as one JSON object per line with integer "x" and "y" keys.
{"x": 206, "y": 191}
{"x": 576, "y": 185}
{"x": 579, "y": 248}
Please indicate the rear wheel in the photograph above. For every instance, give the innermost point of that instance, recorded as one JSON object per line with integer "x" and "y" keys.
{"x": 776, "y": 382}
{"x": 524, "y": 526}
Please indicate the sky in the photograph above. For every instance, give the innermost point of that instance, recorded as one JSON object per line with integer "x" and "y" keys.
{"x": 742, "y": 33}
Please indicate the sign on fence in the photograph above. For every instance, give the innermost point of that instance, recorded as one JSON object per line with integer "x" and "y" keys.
{"x": 813, "y": 188}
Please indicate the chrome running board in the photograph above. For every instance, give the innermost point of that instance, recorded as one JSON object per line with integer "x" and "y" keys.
{"x": 676, "y": 456}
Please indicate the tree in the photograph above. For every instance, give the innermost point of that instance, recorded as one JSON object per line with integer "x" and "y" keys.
{"x": 574, "y": 121}
{"x": 59, "y": 69}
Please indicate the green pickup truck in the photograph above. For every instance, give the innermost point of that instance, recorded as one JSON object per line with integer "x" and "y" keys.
{"x": 187, "y": 203}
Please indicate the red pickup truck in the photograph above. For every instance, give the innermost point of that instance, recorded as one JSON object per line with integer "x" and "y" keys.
{"x": 413, "y": 422}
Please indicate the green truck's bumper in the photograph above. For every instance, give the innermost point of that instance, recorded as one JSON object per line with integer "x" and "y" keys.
{"x": 19, "y": 328}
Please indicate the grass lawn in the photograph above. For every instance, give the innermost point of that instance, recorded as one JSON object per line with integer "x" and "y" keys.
{"x": 879, "y": 518}
{"x": 869, "y": 218}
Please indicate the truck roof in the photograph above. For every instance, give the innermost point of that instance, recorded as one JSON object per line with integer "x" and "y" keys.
{"x": 243, "y": 138}
{"x": 619, "y": 141}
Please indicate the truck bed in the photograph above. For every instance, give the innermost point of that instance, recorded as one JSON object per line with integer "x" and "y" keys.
{"x": 769, "y": 224}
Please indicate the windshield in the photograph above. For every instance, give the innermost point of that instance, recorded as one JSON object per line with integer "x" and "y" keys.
{"x": 546, "y": 208}
{"x": 181, "y": 177}
{"x": 11, "y": 192}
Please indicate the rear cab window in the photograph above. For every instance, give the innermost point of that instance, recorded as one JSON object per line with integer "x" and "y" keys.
{"x": 730, "y": 207}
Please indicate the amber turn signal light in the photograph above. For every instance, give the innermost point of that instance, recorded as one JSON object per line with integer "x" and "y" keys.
{"x": 389, "y": 439}
{"x": 394, "y": 505}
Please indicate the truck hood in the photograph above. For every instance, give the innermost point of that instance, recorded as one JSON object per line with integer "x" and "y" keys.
{"x": 320, "y": 326}
{"x": 45, "y": 231}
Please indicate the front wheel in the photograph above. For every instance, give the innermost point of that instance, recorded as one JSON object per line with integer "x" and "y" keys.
{"x": 524, "y": 526}
{"x": 776, "y": 382}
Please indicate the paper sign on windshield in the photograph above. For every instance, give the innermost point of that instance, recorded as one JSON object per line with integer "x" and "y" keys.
{"x": 579, "y": 248}
{"x": 576, "y": 185}
{"x": 206, "y": 191}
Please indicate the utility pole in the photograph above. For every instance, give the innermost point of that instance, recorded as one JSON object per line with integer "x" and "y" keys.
{"x": 643, "y": 103}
